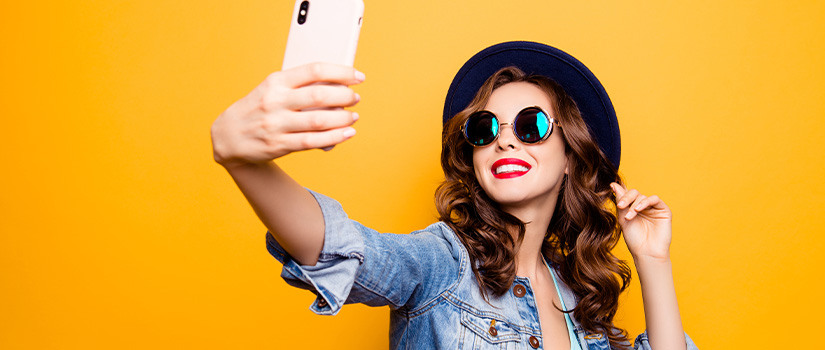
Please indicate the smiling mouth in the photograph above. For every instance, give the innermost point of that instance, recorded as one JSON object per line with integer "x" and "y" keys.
{"x": 509, "y": 167}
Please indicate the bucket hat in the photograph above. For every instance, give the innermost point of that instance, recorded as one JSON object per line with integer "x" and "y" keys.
{"x": 536, "y": 58}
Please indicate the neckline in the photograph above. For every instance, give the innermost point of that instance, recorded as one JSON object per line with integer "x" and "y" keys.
{"x": 574, "y": 341}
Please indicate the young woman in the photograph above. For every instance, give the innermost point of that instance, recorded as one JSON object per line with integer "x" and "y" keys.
{"x": 530, "y": 208}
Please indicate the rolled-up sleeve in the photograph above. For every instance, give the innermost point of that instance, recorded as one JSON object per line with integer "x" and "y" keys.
{"x": 642, "y": 343}
{"x": 360, "y": 265}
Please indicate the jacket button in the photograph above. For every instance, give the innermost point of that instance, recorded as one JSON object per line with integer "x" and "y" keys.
{"x": 493, "y": 331}
{"x": 322, "y": 303}
{"x": 534, "y": 342}
{"x": 519, "y": 290}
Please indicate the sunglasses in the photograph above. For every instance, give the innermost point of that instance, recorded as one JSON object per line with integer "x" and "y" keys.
{"x": 532, "y": 125}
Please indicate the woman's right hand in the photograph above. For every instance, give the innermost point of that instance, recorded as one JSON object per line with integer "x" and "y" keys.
{"x": 286, "y": 113}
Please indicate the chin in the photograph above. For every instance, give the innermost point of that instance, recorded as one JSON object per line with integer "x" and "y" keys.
{"x": 520, "y": 196}
{"x": 510, "y": 199}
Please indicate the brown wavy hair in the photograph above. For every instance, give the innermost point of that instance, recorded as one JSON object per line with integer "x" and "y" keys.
{"x": 583, "y": 229}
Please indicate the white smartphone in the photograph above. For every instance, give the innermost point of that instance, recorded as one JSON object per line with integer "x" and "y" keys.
{"x": 323, "y": 31}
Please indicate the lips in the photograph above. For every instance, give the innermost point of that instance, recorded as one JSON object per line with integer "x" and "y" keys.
{"x": 507, "y": 168}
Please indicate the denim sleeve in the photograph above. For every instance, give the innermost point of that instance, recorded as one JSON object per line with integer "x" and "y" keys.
{"x": 359, "y": 265}
{"x": 641, "y": 342}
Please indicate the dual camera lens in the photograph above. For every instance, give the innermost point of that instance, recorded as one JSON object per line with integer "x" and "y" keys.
{"x": 302, "y": 12}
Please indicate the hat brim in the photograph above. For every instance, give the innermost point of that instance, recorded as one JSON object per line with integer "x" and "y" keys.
{"x": 535, "y": 58}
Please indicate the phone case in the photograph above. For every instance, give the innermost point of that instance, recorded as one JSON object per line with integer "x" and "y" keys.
{"x": 329, "y": 32}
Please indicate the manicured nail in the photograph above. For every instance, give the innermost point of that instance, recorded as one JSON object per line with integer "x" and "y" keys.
{"x": 360, "y": 76}
{"x": 357, "y": 97}
{"x": 349, "y": 132}
{"x": 355, "y": 116}
{"x": 621, "y": 203}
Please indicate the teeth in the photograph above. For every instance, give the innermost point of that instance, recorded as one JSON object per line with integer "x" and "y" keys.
{"x": 509, "y": 168}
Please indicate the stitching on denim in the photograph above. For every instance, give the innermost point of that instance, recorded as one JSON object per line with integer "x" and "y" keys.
{"x": 423, "y": 309}
{"x": 329, "y": 256}
{"x": 511, "y": 333}
{"x": 461, "y": 338}
{"x": 333, "y": 304}
{"x": 462, "y": 257}
{"x": 365, "y": 287}
{"x": 455, "y": 301}
{"x": 522, "y": 329}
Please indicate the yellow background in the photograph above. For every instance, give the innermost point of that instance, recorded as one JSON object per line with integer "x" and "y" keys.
{"x": 117, "y": 229}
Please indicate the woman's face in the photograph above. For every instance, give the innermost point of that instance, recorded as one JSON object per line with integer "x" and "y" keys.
{"x": 545, "y": 163}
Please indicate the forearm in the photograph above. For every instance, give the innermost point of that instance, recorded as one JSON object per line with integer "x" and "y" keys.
{"x": 664, "y": 324}
{"x": 287, "y": 209}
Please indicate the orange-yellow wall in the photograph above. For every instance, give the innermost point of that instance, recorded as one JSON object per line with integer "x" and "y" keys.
{"x": 117, "y": 230}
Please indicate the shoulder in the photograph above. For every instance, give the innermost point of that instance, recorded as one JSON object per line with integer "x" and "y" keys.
{"x": 434, "y": 259}
{"x": 445, "y": 236}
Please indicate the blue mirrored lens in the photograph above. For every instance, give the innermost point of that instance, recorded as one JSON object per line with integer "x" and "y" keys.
{"x": 481, "y": 128}
{"x": 532, "y": 125}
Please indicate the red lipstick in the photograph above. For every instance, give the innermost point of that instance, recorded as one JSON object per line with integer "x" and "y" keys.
{"x": 507, "y": 168}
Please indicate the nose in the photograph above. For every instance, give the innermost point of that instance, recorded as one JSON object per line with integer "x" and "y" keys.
{"x": 507, "y": 139}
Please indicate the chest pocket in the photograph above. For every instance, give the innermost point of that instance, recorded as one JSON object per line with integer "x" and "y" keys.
{"x": 481, "y": 333}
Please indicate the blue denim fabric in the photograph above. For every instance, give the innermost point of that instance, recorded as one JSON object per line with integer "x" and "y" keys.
{"x": 426, "y": 279}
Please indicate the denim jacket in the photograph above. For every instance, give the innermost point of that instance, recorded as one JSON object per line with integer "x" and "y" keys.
{"x": 426, "y": 279}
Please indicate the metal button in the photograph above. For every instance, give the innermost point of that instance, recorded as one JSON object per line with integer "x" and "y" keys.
{"x": 322, "y": 303}
{"x": 534, "y": 342}
{"x": 493, "y": 331}
{"x": 519, "y": 290}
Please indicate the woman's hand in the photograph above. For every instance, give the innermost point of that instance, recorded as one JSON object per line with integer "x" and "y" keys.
{"x": 286, "y": 113}
{"x": 646, "y": 223}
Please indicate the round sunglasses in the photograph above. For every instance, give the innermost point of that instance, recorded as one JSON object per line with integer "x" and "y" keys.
{"x": 532, "y": 125}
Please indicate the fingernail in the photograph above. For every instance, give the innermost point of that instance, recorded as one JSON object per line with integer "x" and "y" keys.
{"x": 349, "y": 132}
{"x": 357, "y": 97}
{"x": 621, "y": 203}
{"x": 360, "y": 76}
{"x": 639, "y": 207}
{"x": 355, "y": 116}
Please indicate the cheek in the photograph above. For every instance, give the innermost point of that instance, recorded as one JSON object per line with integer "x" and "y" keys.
{"x": 554, "y": 157}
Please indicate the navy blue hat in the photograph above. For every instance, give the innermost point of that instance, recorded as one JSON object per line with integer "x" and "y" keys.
{"x": 548, "y": 61}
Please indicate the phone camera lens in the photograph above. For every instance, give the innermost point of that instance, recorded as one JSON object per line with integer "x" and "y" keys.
{"x": 302, "y": 13}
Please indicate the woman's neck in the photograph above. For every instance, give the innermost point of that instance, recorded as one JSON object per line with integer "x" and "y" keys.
{"x": 537, "y": 219}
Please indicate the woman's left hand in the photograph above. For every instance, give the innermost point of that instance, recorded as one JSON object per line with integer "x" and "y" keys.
{"x": 646, "y": 223}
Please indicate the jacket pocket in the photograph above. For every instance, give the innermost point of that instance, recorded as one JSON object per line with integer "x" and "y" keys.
{"x": 486, "y": 332}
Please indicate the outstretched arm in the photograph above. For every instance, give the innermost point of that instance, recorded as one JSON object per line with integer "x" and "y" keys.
{"x": 287, "y": 112}
{"x": 646, "y": 223}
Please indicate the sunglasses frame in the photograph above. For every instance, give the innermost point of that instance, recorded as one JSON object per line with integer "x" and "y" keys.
{"x": 550, "y": 121}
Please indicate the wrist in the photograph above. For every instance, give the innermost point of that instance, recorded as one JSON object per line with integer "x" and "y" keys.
{"x": 653, "y": 269}
{"x": 238, "y": 166}
{"x": 648, "y": 259}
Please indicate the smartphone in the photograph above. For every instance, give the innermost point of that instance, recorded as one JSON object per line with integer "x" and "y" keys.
{"x": 323, "y": 31}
